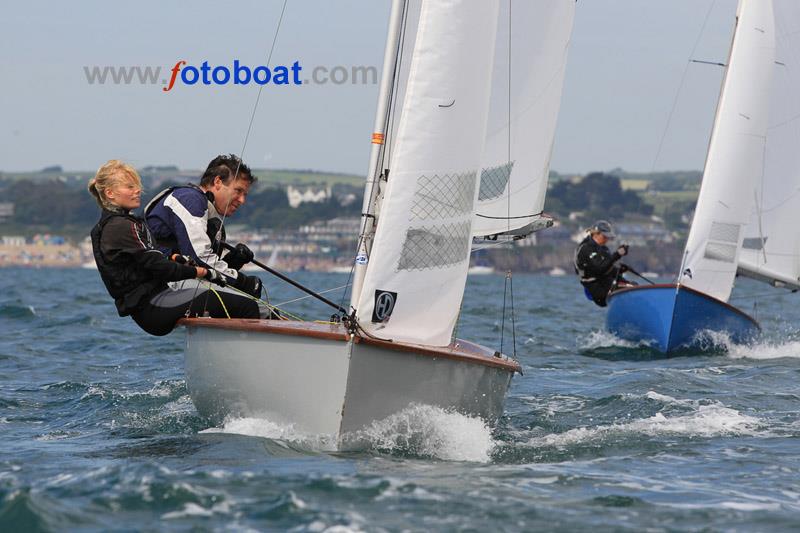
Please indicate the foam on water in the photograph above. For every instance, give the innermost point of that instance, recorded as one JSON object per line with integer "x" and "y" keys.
{"x": 421, "y": 430}
{"x": 736, "y": 506}
{"x": 269, "y": 429}
{"x": 191, "y": 509}
{"x": 705, "y": 419}
{"x": 430, "y": 431}
{"x": 765, "y": 350}
{"x": 606, "y": 339}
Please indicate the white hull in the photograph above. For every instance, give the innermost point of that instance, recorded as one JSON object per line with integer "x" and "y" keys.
{"x": 327, "y": 384}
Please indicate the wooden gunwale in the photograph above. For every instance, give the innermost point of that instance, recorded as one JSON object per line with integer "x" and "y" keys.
{"x": 464, "y": 351}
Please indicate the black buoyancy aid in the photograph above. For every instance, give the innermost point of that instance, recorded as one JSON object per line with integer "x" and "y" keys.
{"x": 126, "y": 283}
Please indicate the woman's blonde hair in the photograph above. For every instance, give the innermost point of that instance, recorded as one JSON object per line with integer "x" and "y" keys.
{"x": 112, "y": 173}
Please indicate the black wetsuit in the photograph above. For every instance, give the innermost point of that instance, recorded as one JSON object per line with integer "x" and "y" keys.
{"x": 595, "y": 265}
{"x": 136, "y": 276}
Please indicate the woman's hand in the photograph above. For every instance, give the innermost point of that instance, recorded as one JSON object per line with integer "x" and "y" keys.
{"x": 211, "y": 275}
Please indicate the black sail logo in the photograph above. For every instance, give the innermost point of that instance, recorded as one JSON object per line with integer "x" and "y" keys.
{"x": 384, "y": 305}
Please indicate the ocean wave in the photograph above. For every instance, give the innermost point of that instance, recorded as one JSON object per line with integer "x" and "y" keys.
{"x": 168, "y": 389}
{"x": 706, "y": 419}
{"x": 605, "y": 339}
{"x": 191, "y": 509}
{"x": 709, "y": 341}
{"x": 427, "y": 431}
{"x": 728, "y": 505}
{"x": 764, "y": 350}
{"x": 172, "y": 417}
{"x": 17, "y": 311}
{"x": 269, "y": 429}
{"x": 418, "y": 430}
{"x": 20, "y": 512}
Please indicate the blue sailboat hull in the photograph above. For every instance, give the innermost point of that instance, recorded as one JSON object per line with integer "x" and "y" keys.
{"x": 672, "y": 317}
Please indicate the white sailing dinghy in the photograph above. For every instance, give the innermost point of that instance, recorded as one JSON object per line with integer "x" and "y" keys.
{"x": 396, "y": 346}
{"x": 749, "y": 203}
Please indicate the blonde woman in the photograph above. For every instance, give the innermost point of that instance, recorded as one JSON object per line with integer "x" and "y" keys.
{"x": 136, "y": 273}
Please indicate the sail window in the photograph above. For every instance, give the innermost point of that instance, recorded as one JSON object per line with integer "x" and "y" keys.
{"x": 435, "y": 247}
{"x": 721, "y": 252}
{"x": 754, "y": 243}
{"x": 494, "y": 181}
{"x": 722, "y": 242}
{"x": 725, "y": 232}
{"x": 439, "y": 197}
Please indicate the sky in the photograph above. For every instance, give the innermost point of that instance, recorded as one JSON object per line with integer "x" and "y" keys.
{"x": 628, "y": 70}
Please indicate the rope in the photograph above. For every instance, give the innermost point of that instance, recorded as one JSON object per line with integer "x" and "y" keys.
{"x": 509, "y": 218}
{"x": 513, "y": 316}
{"x": 509, "y": 284}
{"x": 309, "y": 296}
{"x": 680, "y": 87}
{"x": 222, "y": 303}
{"x": 503, "y": 320}
{"x": 763, "y": 295}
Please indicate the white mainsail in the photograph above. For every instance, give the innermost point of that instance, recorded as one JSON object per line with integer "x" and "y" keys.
{"x": 734, "y": 165}
{"x": 526, "y": 94}
{"x": 420, "y": 254}
{"x": 771, "y": 248}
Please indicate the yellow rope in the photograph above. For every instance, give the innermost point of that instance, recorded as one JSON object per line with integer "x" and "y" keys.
{"x": 282, "y": 314}
{"x": 220, "y": 301}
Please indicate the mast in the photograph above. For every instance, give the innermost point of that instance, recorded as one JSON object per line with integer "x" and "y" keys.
{"x": 378, "y": 146}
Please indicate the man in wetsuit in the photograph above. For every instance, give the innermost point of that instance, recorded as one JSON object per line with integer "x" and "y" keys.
{"x": 187, "y": 220}
{"x": 595, "y": 264}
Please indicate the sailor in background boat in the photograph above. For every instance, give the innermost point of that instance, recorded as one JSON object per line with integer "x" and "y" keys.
{"x": 595, "y": 264}
{"x": 188, "y": 220}
{"x": 135, "y": 273}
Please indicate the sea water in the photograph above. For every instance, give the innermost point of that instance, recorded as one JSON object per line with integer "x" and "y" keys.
{"x": 98, "y": 433}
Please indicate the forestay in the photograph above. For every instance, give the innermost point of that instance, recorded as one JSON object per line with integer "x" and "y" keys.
{"x": 734, "y": 165}
{"x": 418, "y": 263}
{"x": 522, "y": 118}
{"x": 771, "y": 247}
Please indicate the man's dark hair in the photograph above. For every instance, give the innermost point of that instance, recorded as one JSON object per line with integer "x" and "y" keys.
{"x": 226, "y": 167}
